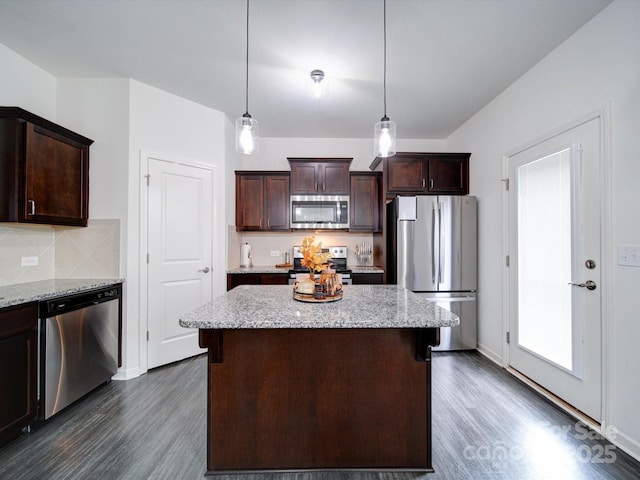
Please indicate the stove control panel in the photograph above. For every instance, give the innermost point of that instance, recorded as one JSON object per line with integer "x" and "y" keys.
{"x": 337, "y": 252}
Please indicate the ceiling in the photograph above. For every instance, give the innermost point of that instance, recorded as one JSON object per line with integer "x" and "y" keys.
{"x": 446, "y": 59}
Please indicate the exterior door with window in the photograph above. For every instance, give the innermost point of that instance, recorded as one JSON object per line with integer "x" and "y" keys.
{"x": 554, "y": 275}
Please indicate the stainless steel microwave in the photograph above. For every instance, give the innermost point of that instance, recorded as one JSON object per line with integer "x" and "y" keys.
{"x": 319, "y": 212}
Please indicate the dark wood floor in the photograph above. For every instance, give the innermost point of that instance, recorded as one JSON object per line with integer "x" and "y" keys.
{"x": 487, "y": 425}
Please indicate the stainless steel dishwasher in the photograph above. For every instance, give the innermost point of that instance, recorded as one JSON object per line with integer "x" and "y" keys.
{"x": 79, "y": 346}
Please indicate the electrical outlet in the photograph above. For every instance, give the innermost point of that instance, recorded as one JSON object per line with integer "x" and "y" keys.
{"x": 629, "y": 255}
{"x": 29, "y": 261}
{"x": 275, "y": 253}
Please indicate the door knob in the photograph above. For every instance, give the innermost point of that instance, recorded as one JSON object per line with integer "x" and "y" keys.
{"x": 204, "y": 270}
{"x": 589, "y": 284}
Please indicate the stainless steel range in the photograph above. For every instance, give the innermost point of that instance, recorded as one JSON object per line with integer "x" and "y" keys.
{"x": 339, "y": 263}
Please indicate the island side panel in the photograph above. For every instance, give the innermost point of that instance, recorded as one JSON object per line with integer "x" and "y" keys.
{"x": 298, "y": 399}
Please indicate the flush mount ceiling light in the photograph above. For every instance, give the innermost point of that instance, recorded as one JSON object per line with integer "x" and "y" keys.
{"x": 384, "y": 132}
{"x": 319, "y": 87}
{"x": 247, "y": 127}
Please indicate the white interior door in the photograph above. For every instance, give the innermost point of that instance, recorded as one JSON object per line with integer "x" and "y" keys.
{"x": 554, "y": 244}
{"x": 179, "y": 276}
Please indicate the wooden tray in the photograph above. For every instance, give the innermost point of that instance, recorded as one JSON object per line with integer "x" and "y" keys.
{"x": 310, "y": 298}
{"x": 284, "y": 265}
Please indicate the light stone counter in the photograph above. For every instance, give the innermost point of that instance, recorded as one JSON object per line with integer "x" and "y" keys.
{"x": 366, "y": 269}
{"x": 257, "y": 269}
{"x": 274, "y": 269}
{"x": 20, "y": 293}
{"x": 362, "y": 306}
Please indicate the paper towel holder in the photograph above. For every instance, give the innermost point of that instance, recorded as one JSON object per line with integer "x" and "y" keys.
{"x": 245, "y": 255}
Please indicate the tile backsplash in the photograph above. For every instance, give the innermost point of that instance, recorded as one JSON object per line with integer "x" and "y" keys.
{"x": 90, "y": 252}
{"x": 263, "y": 244}
{"x": 18, "y": 241}
{"x": 61, "y": 252}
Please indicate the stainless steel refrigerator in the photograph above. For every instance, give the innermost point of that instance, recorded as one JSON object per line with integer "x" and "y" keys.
{"x": 432, "y": 251}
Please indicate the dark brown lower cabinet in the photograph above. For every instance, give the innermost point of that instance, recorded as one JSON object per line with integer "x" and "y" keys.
{"x": 367, "y": 278}
{"x": 319, "y": 399}
{"x": 18, "y": 369}
{"x": 235, "y": 279}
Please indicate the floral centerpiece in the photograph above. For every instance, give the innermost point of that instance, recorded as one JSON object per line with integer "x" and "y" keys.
{"x": 313, "y": 256}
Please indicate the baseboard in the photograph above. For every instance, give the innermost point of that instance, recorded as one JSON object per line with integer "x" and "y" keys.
{"x": 127, "y": 374}
{"x": 490, "y": 354}
{"x": 627, "y": 444}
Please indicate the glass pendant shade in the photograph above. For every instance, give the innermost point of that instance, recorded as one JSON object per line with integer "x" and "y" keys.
{"x": 247, "y": 138}
{"x": 384, "y": 138}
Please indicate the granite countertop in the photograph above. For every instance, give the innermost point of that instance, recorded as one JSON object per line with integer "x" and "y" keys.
{"x": 274, "y": 269}
{"x": 20, "y": 293}
{"x": 258, "y": 269}
{"x": 362, "y": 306}
{"x": 366, "y": 269}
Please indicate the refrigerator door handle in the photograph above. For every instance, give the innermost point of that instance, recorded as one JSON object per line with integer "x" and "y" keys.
{"x": 433, "y": 243}
{"x": 440, "y": 243}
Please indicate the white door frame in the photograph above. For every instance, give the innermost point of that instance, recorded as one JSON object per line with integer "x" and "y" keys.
{"x": 144, "y": 237}
{"x": 603, "y": 114}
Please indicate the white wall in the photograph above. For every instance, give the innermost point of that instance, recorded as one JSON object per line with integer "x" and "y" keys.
{"x": 175, "y": 128}
{"x": 597, "y": 65}
{"x": 25, "y": 85}
{"x": 98, "y": 108}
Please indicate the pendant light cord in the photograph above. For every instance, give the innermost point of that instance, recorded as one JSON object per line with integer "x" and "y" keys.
{"x": 384, "y": 82}
{"x": 246, "y": 91}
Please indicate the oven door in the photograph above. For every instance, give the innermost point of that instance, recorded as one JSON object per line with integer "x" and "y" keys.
{"x": 319, "y": 212}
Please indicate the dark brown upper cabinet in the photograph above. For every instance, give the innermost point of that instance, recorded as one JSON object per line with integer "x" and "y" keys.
{"x": 319, "y": 176}
{"x": 409, "y": 173}
{"x": 262, "y": 201}
{"x": 366, "y": 202}
{"x": 44, "y": 171}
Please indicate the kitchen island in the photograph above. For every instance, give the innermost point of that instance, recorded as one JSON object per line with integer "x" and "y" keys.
{"x": 296, "y": 386}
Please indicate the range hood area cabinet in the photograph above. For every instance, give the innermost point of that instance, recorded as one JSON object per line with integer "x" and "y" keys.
{"x": 320, "y": 176}
{"x": 262, "y": 201}
{"x": 44, "y": 171}
{"x": 411, "y": 173}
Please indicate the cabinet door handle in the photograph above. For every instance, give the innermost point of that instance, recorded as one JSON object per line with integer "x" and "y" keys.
{"x": 423, "y": 183}
{"x": 269, "y": 223}
{"x": 32, "y": 207}
{"x": 324, "y": 187}
{"x": 315, "y": 187}
{"x": 431, "y": 184}
{"x": 261, "y": 222}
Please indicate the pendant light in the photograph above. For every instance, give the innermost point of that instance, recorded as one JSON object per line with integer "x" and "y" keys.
{"x": 384, "y": 132}
{"x": 246, "y": 126}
